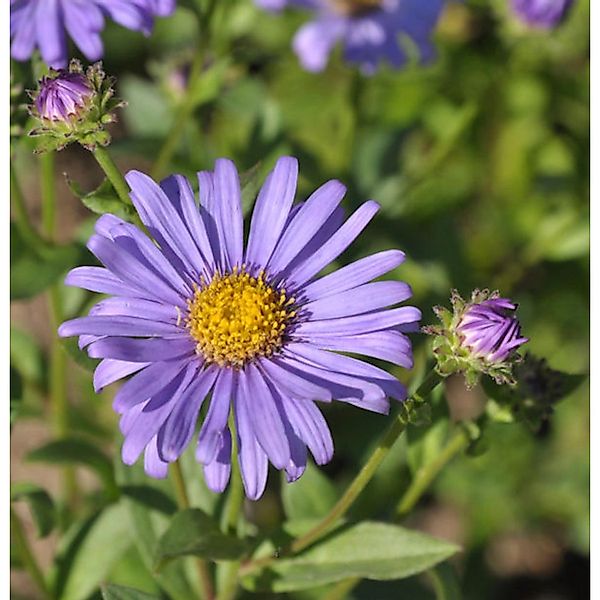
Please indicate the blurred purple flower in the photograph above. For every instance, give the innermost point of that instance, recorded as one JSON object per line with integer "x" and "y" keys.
{"x": 541, "y": 13}
{"x": 368, "y": 29}
{"x": 491, "y": 330}
{"x": 63, "y": 96}
{"x": 45, "y": 24}
{"x": 198, "y": 314}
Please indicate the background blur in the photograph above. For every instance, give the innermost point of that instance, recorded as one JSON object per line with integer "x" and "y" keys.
{"x": 480, "y": 163}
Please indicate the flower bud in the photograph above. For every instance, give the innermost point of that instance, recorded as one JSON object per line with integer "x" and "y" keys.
{"x": 71, "y": 105}
{"x": 480, "y": 336}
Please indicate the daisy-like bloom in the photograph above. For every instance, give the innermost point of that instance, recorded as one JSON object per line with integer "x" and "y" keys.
{"x": 480, "y": 336}
{"x": 195, "y": 314}
{"x": 44, "y": 24}
{"x": 369, "y": 30}
{"x": 541, "y": 13}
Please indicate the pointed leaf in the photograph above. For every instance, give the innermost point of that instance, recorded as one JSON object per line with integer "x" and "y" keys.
{"x": 41, "y": 505}
{"x": 120, "y": 592}
{"x": 367, "y": 550}
{"x": 193, "y": 532}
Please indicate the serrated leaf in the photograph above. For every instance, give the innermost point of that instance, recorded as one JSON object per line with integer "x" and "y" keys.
{"x": 369, "y": 550}
{"x": 310, "y": 496}
{"x": 120, "y": 592}
{"x": 75, "y": 451}
{"x": 40, "y": 504}
{"x": 194, "y": 533}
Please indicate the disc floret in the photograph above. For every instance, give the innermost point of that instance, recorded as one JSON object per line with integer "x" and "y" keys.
{"x": 237, "y": 317}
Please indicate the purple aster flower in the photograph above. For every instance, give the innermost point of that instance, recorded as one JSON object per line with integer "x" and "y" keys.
{"x": 196, "y": 315}
{"x": 368, "y": 29}
{"x": 490, "y": 329}
{"x": 541, "y": 13}
{"x": 45, "y": 24}
{"x": 62, "y": 96}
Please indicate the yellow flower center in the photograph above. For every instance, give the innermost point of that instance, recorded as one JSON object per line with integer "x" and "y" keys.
{"x": 355, "y": 8}
{"x": 237, "y": 317}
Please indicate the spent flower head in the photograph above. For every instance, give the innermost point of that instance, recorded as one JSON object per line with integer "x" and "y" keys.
{"x": 71, "y": 105}
{"x": 198, "y": 313}
{"x": 480, "y": 336}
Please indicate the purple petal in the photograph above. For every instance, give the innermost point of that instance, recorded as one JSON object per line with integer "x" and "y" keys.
{"x": 264, "y": 417}
{"x": 110, "y": 370}
{"x": 252, "y": 458}
{"x": 215, "y": 422}
{"x": 50, "y": 32}
{"x": 306, "y": 222}
{"x": 359, "y": 300}
{"x": 179, "y": 428}
{"x": 359, "y": 323}
{"x": 132, "y": 307}
{"x": 340, "y": 240}
{"x": 314, "y": 42}
{"x": 217, "y": 472}
{"x": 294, "y": 385}
{"x": 154, "y": 466}
{"x": 271, "y": 211}
{"x": 101, "y": 280}
{"x": 354, "y": 274}
{"x": 142, "y": 350}
{"x": 146, "y": 384}
{"x": 118, "y": 326}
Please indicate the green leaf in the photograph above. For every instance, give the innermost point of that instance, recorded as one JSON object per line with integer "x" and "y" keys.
{"x": 41, "y": 505}
{"x": 91, "y": 552}
{"x": 193, "y": 532}
{"x": 147, "y": 524}
{"x": 102, "y": 200}
{"x": 150, "y": 497}
{"x": 368, "y": 550}
{"x": 16, "y": 395}
{"x": 30, "y": 273}
{"x": 310, "y": 496}
{"x": 75, "y": 451}
{"x": 119, "y": 592}
{"x": 26, "y": 356}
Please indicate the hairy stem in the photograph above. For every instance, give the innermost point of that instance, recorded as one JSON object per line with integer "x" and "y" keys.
{"x": 183, "y": 502}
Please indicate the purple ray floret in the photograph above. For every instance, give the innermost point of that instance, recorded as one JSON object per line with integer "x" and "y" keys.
{"x": 202, "y": 320}
{"x": 45, "y": 24}
{"x": 491, "y": 330}
{"x": 368, "y": 30}
{"x": 63, "y": 96}
{"x": 541, "y": 13}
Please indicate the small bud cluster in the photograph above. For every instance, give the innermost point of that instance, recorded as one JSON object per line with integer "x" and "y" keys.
{"x": 71, "y": 105}
{"x": 480, "y": 336}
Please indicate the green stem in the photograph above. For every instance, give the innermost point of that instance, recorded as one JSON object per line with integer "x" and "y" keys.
{"x": 48, "y": 193}
{"x": 429, "y": 472}
{"x": 26, "y": 555}
{"x": 113, "y": 173}
{"x": 365, "y": 475}
{"x": 183, "y": 502}
{"x": 188, "y": 103}
{"x": 231, "y": 515}
{"x": 22, "y": 221}
{"x": 58, "y": 359}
